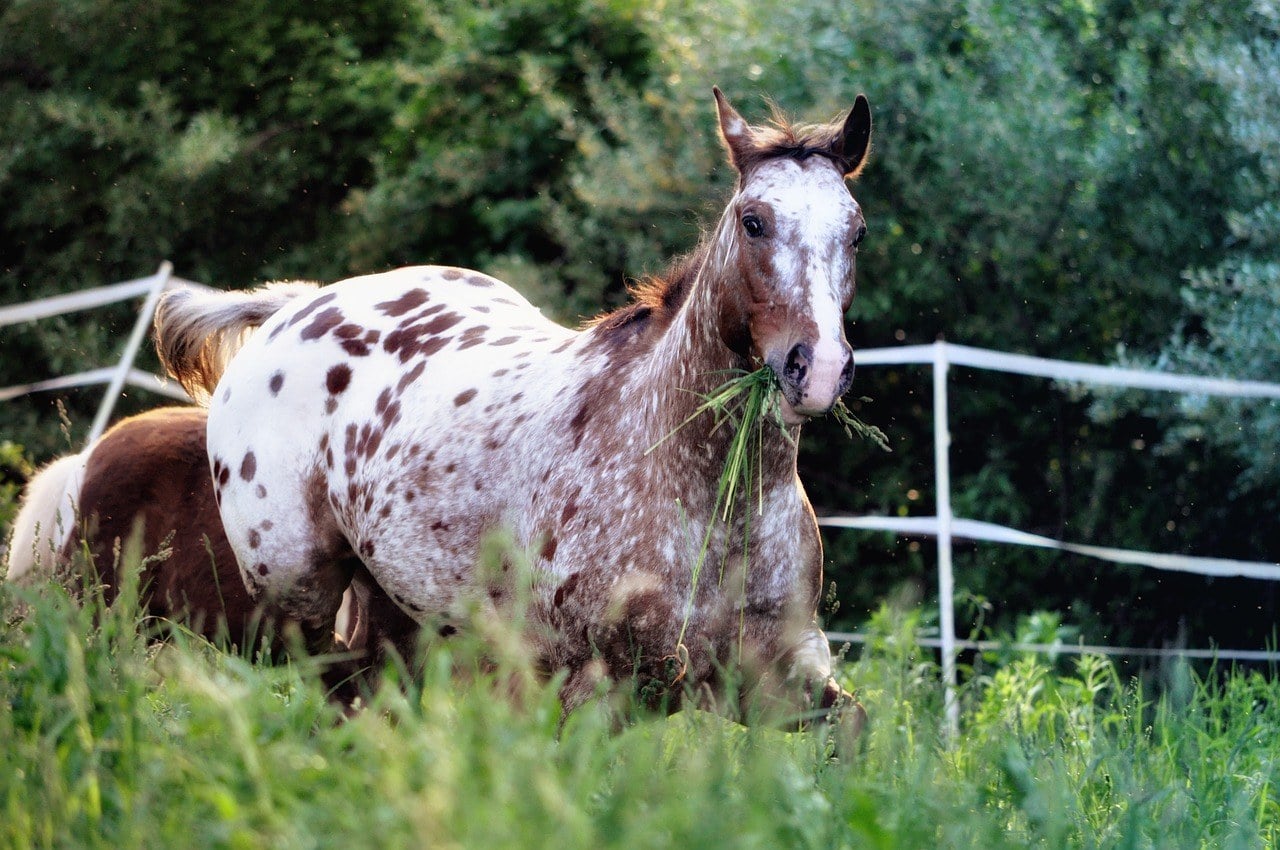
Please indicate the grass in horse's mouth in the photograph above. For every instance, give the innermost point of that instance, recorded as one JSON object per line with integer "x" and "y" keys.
{"x": 750, "y": 402}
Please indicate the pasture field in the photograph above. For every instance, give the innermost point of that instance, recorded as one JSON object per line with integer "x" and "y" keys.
{"x": 110, "y": 740}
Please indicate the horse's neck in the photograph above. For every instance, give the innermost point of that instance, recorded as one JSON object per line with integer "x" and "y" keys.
{"x": 686, "y": 366}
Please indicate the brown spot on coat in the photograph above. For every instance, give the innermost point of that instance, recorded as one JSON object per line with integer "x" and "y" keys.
{"x": 410, "y": 300}
{"x": 325, "y": 321}
{"x": 276, "y": 382}
{"x": 464, "y": 397}
{"x": 338, "y": 378}
{"x": 579, "y": 422}
{"x": 356, "y": 347}
{"x": 471, "y": 337}
{"x": 248, "y": 466}
{"x": 311, "y": 308}
{"x": 409, "y": 377}
{"x": 566, "y": 588}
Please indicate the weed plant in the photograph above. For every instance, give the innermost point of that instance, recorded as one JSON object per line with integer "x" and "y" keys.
{"x": 111, "y": 740}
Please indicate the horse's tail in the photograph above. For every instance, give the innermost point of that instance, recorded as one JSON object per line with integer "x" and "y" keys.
{"x": 198, "y": 332}
{"x": 46, "y": 520}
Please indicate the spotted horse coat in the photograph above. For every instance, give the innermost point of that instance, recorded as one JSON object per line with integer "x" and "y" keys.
{"x": 390, "y": 422}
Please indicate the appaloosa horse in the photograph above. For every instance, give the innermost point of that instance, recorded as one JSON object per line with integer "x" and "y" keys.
{"x": 393, "y": 420}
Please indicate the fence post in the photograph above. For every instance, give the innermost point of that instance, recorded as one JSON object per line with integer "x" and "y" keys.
{"x": 946, "y": 581}
{"x": 131, "y": 347}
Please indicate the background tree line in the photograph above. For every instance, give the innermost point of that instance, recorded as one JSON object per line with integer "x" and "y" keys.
{"x": 1084, "y": 180}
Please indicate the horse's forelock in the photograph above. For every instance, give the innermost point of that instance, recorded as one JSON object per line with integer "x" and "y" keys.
{"x": 784, "y": 140}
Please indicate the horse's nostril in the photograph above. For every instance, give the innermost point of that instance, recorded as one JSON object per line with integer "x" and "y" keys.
{"x": 846, "y": 374}
{"x": 796, "y": 368}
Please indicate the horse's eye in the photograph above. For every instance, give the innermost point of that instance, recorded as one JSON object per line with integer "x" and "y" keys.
{"x": 753, "y": 225}
{"x": 859, "y": 234}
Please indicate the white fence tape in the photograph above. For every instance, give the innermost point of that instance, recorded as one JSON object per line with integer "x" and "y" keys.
{"x": 115, "y": 377}
{"x": 941, "y": 356}
{"x": 1066, "y": 370}
{"x": 85, "y": 299}
{"x": 136, "y": 378}
{"x": 1252, "y": 655}
{"x": 970, "y": 529}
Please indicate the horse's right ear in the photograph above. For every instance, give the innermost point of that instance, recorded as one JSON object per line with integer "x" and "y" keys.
{"x": 735, "y": 132}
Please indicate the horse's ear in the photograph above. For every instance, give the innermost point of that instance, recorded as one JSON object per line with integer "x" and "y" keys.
{"x": 855, "y": 137}
{"x": 735, "y": 132}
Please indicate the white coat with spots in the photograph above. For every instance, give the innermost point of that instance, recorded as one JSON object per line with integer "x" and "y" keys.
{"x": 390, "y": 422}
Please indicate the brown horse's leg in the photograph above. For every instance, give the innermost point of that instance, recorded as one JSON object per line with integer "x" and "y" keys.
{"x": 379, "y": 629}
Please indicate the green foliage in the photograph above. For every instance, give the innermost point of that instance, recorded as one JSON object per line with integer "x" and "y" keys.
{"x": 1231, "y": 309}
{"x": 222, "y": 138}
{"x": 491, "y": 107}
{"x": 108, "y": 741}
{"x": 14, "y": 471}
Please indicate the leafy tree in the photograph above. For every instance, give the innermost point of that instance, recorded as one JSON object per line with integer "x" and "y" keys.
{"x": 298, "y": 140}
{"x": 224, "y": 138}
{"x": 491, "y": 110}
{"x": 1232, "y": 308}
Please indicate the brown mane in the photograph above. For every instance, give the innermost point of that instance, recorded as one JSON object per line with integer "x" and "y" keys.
{"x": 655, "y": 300}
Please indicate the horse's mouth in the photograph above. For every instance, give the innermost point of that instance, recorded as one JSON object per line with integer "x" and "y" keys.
{"x": 790, "y": 416}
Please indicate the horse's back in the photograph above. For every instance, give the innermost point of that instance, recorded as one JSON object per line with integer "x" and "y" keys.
{"x": 349, "y": 426}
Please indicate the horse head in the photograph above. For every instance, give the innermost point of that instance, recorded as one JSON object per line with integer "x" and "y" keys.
{"x": 788, "y": 248}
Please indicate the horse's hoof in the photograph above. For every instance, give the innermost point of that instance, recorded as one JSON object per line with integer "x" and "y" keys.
{"x": 846, "y": 718}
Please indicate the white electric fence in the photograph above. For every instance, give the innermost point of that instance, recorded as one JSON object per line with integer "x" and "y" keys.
{"x": 122, "y": 373}
{"x": 946, "y": 527}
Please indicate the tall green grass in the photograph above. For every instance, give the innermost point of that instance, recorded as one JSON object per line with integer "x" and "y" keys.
{"x": 108, "y": 740}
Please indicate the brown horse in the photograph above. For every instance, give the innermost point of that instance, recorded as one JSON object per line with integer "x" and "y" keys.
{"x": 389, "y": 423}
{"x": 149, "y": 475}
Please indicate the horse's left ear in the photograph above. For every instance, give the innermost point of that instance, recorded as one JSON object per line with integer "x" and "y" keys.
{"x": 735, "y": 132}
{"x": 855, "y": 137}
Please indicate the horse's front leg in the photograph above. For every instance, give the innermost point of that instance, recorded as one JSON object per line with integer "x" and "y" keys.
{"x": 796, "y": 689}
{"x": 808, "y": 669}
